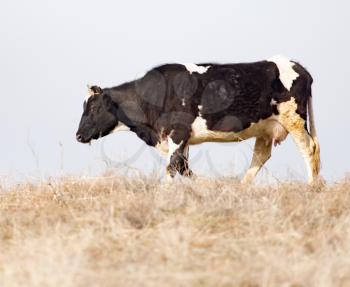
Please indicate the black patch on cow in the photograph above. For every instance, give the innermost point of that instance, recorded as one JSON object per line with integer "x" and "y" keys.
{"x": 301, "y": 90}
{"x": 275, "y": 110}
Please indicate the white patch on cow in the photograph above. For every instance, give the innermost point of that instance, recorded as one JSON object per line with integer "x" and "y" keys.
{"x": 195, "y": 68}
{"x": 269, "y": 128}
{"x": 273, "y": 102}
{"x": 200, "y": 107}
{"x": 199, "y": 126}
{"x": 287, "y": 73}
{"x": 183, "y": 102}
{"x": 172, "y": 147}
{"x": 120, "y": 127}
{"x": 163, "y": 147}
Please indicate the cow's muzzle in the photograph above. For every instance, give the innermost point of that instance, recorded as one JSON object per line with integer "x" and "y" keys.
{"x": 81, "y": 139}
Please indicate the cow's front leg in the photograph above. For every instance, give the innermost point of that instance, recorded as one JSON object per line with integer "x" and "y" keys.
{"x": 178, "y": 155}
{"x": 187, "y": 170}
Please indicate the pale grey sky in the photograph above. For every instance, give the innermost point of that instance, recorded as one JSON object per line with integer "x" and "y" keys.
{"x": 50, "y": 50}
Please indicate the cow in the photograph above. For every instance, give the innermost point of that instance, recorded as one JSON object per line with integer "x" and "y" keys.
{"x": 174, "y": 106}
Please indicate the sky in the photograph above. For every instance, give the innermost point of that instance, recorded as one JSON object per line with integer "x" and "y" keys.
{"x": 50, "y": 51}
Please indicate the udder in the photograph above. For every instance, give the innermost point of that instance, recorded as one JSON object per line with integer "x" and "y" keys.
{"x": 276, "y": 132}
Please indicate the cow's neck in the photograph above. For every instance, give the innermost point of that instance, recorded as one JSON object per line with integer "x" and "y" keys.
{"x": 122, "y": 93}
{"x": 129, "y": 112}
{"x": 122, "y": 96}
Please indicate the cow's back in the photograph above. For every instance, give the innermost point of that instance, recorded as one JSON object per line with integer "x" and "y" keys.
{"x": 229, "y": 97}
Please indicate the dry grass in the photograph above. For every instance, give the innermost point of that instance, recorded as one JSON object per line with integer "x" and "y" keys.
{"x": 117, "y": 231}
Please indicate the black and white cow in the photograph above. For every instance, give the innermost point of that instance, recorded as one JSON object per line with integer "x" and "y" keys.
{"x": 177, "y": 105}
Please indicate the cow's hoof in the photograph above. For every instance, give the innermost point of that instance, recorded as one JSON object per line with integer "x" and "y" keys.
{"x": 317, "y": 184}
{"x": 246, "y": 181}
{"x": 188, "y": 173}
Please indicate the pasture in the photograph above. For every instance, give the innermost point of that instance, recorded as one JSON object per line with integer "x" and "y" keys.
{"x": 140, "y": 231}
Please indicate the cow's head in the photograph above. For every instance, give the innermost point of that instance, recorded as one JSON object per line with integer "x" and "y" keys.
{"x": 99, "y": 117}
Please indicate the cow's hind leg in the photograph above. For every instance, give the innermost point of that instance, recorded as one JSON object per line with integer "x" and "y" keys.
{"x": 308, "y": 149}
{"x": 307, "y": 145}
{"x": 178, "y": 157}
{"x": 262, "y": 152}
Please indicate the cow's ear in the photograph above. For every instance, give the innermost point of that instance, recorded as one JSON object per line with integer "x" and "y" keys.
{"x": 94, "y": 90}
{"x": 97, "y": 90}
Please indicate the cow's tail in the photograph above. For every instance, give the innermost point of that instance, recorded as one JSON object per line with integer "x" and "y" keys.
{"x": 312, "y": 130}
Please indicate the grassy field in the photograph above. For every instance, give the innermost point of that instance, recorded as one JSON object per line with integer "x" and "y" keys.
{"x": 118, "y": 231}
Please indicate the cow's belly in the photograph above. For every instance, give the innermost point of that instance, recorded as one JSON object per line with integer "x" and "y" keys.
{"x": 269, "y": 128}
{"x": 198, "y": 137}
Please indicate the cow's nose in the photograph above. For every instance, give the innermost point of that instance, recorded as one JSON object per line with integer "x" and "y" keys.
{"x": 79, "y": 137}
